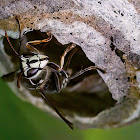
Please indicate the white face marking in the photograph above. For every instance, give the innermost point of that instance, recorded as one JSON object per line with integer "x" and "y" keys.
{"x": 35, "y": 57}
{"x": 42, "y": 56}
{"x": 44, "y": 62}
{"x": 37, "y": 61}
{"x": 24, "y": 65}
{"x": 25, "y": 71}
{"x": 35, "y": 64}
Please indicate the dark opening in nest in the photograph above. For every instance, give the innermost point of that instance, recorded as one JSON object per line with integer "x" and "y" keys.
{"x": 86, "y": 95}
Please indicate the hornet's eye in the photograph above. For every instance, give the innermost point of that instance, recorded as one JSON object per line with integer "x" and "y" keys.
{"x": 32, "y": 72}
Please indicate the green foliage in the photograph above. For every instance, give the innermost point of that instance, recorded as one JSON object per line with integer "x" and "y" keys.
{"x": 21, "y": 120}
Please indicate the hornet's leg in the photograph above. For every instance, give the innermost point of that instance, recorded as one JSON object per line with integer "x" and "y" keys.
{"x": 17, "y": 19}
{"x": 54, "y": 107}
{"x": 11, "y": 44}
{"x": 69, "y": 48}
{"x": 36, "y": 42}
{"x": 18, "y": 80}
{"x": 85, "y": 70}
{"x": 69, "y": 58}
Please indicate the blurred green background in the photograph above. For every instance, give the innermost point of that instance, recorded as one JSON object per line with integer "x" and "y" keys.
{"x": 21, "y": 120}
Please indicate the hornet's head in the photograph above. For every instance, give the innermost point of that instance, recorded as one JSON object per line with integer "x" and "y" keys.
{"x": 32, "y": 64}
{"x": 34, "y": 61}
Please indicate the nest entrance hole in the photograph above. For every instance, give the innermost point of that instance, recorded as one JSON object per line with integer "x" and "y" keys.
{"x": 86, "y": 95}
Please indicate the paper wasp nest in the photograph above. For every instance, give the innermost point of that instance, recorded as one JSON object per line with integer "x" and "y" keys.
{"x": 108, "y": 33}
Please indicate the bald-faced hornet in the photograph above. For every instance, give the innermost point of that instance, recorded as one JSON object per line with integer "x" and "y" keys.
{"x": 44, "y": 76}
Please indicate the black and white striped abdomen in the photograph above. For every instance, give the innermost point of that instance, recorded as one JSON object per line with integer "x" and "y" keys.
{"x": 65, "y": 82}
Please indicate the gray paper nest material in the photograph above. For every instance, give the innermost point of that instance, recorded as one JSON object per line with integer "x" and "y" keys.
{"x": 105, "y": 30}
